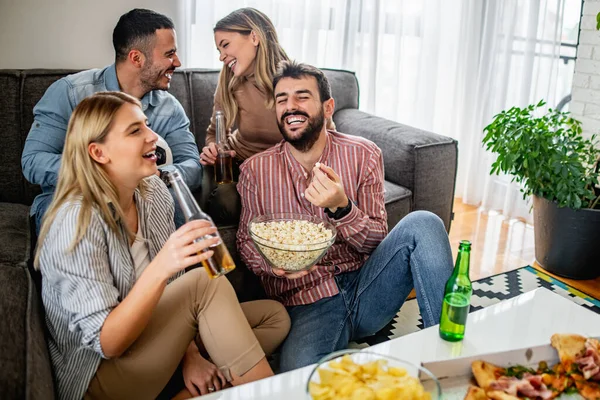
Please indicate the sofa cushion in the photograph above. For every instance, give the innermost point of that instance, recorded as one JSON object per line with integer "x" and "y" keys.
{"x": 35, "y": 83}
{"x": 203, "y": 84}
{"x": 398, "y": 155}
{"x": 14, "y": 233}
{"x": 11, "y": 179}
{"x": 26, "y": 371}
{"x": 180, "y": 89}
{"x": 395, "y": 192}
{"x": 344, "y": 88}
{"x": 398, "y": 202}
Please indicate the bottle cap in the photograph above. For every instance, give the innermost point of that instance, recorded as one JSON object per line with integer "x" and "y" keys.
{"x": 465, "y": 244}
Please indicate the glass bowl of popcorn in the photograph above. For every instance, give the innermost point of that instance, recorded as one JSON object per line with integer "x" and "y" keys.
{"x": 292, "y": 242}
{"x": 356, "y": 374}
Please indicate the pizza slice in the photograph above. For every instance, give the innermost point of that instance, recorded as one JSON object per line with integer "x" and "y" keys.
{"x": 510, "y": 383}
{"x": 485, "y": 373}
{"x": 578, "y": 351}
{"x": 569, "y": 348}
{"x": 589, "y": 361}
{"x": 589, "y": 390}
{"x": 557, "y": 382}
{"x": 500, "y": 395}
{"x": 476, "y": 393}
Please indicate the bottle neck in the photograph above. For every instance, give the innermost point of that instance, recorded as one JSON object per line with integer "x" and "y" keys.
{"x": 221, "y": 132}
{"x": 187, "y": 202}
{"x": 462, "y": 262}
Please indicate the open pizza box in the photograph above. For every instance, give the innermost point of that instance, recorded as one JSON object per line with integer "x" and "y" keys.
{"x": 455, "y": 375}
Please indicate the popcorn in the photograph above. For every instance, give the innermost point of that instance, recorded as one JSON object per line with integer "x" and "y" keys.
{"x": 291, "y": 245}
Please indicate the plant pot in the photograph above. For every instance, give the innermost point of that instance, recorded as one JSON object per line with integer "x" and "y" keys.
{"x": 567, "y": 241}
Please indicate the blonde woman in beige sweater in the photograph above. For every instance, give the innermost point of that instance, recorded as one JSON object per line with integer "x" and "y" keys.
{"x": 250, "y": 52}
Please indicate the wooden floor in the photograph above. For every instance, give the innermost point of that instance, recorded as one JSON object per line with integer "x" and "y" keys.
{"x": 500, "y": 245}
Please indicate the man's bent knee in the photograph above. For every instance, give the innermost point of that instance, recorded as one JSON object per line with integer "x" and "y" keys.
{"x": 419, "y": 220}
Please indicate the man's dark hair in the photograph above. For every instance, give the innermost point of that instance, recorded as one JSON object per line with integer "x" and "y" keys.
{"x": 136, "y": 29}
{"x": 296, "y": 70}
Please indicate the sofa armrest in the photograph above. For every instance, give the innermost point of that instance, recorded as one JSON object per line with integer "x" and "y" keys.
{"x": 423, "y": 162}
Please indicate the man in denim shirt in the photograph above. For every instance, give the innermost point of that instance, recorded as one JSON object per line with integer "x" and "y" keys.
{"x": 146, "y": 57}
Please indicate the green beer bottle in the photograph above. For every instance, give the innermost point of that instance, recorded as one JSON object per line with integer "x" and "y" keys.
{"x": 457, "y": 297}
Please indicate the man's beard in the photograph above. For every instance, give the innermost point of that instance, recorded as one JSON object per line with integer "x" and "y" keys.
{"x": 150, "y": 77}
{"x": 309, "y": 135}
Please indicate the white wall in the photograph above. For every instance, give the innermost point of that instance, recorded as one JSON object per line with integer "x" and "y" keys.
{"x": 585, "y": 103}
{"x": 65, "y": 33}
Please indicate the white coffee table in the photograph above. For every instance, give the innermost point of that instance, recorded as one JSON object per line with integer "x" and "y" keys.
{"x": 526, "y": 320}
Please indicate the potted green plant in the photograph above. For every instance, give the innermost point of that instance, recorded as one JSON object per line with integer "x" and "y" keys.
{"x": 551, "y": 160}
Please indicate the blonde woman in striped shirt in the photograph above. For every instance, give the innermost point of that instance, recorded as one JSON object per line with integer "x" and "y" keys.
{"x": 121, "y": 313}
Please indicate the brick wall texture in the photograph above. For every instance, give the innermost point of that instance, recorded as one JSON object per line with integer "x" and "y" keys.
{"x": 585, "y": 103}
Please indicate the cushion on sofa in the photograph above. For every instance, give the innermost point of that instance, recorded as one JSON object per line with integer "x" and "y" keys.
{"x": 35, "y": 83}
{"x": 344, "y": 88}
{"x": 11, "y": 182}
{"x": 26, "y": 372}
{"x": 397, "y": 203}
{"x": 398, "y": 156}
{"x": 180, "y": 89}
{"x": 14, "y": 233}
{"x": 203, "y": 84}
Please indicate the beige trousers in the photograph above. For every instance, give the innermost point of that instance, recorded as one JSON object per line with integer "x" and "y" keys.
{"x": 192, "y": 307}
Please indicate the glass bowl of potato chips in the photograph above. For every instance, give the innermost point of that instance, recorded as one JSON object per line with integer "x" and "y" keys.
{"x": 364, "y": 375}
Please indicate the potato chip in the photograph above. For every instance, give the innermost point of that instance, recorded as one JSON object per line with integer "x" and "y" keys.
{"x": 363, "y": 393}
{"x": 346, "y": 380}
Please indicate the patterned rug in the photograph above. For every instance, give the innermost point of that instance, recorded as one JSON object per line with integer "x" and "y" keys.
{"x": 486, "y": 292}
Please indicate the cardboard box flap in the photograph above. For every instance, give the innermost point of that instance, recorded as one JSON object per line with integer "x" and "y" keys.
{"x": 528, "y": 356}
{"x": 455, "y": 375}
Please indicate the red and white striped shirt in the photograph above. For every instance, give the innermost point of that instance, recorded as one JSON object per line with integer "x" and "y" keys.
{"x": 274, "y": 182}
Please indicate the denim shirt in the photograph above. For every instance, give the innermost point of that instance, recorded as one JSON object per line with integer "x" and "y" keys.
{"x": 44, "y": 145}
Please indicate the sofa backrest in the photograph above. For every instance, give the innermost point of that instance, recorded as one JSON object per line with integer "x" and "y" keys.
{"x": 11, "y": 184}
{"x": 194, "y": 88}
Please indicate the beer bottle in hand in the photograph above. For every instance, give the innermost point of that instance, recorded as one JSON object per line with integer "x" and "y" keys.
{"x": 223, "y": 165}
{"x": 221, "y": 262}
{"x": 457, "y": 297}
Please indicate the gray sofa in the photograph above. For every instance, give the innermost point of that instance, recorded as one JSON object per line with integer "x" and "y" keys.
{"x": 420, "y": 171}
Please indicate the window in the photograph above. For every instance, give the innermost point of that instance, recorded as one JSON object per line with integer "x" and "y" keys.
{"x": 568, "y": 49}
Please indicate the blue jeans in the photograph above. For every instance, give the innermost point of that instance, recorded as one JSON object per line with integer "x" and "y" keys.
{"x": 416, "y": 253}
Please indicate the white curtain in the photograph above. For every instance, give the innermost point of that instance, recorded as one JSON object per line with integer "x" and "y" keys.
{"x": 447, "y": 66}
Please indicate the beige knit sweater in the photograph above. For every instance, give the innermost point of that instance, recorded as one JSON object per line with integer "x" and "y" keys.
{"x": 256, "y": 128}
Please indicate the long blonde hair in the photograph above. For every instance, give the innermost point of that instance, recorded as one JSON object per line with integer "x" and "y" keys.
{"x": 268, "y": 56}
{"x": 80, "y": 176}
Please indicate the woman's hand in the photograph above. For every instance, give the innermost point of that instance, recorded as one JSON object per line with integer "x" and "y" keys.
{"x": 200, "y": 375}
{"x": 180, "y": 251}
{"x": 209, "y": 154}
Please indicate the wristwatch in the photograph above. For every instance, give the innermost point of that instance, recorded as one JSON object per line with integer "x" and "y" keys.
{"x": 340, "y": 212}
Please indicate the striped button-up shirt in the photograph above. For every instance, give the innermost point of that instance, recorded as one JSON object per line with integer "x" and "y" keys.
{"x": 274, "y": 182}
{"x": 80, "y": 288}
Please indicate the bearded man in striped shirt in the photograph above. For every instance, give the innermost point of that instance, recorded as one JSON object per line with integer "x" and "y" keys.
{"x": 366, "y": 275}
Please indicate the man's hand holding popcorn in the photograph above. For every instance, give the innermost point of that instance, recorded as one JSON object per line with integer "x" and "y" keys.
{"x": 326, "y": 189}
{"x": 294, "y": 275}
